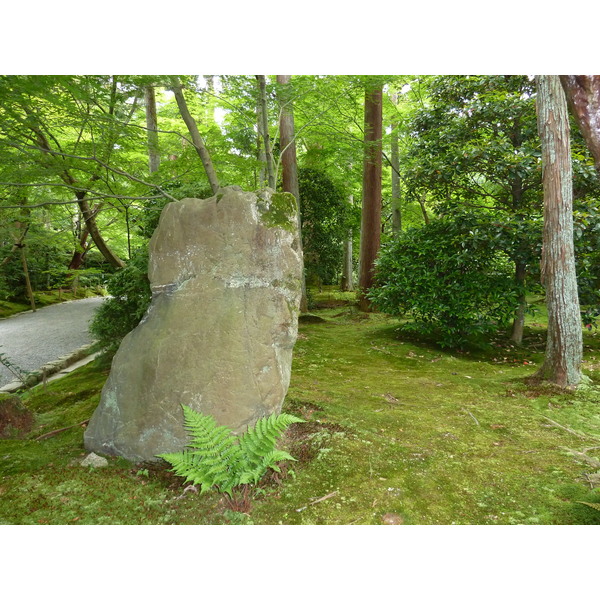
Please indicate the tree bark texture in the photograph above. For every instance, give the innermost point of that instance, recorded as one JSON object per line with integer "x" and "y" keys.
{"x": 195, "y": 135}
{"x": 288, "y": 161}
{"x": 370, "y": 231}
{"x": 347, "y": 271}
{"x": 152, "y": 127}
{"x": 263, "y": 131}
{"x": 564, "y": 346}
{"x": 583, "y": 97}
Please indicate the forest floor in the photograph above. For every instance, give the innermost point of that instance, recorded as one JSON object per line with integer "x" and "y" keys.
{"x": 397, "y": 431}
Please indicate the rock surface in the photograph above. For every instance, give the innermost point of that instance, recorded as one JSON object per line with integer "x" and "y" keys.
{"x": 219, "y": 332}
{"x": 93, "y": 460}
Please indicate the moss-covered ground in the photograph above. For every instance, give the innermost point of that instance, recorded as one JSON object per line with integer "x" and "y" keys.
{"x": 396, "y": 431}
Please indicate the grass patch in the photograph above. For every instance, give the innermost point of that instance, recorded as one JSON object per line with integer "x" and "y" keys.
{"x": 394, "y": 426}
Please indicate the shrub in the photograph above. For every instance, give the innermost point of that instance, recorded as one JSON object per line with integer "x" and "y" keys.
{"x": 130, "y": 291}
{"x": 449, "y": 278}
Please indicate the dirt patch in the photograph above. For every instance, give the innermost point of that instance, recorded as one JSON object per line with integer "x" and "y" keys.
{"x": 299, "y": 439}
{"x": 15, "y": 420}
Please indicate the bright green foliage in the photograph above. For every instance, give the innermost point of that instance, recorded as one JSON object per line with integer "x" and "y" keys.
{"x": 449, "y": 279}
{"x": 327, "y": 217}
{"x": 217, "y": 458}
{"x": 130, "y": 291}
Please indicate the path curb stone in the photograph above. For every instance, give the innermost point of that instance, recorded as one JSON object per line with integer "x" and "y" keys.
{"x": 47, "y": 370}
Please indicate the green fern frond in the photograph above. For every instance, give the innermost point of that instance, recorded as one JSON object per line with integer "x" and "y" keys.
{"x": 216, "y": 458}
{"x": 261, "y": 439}
{"x": 595, "y": 505}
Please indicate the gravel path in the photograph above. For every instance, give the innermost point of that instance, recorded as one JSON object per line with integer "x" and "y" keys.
{"x": 32, "y": 339}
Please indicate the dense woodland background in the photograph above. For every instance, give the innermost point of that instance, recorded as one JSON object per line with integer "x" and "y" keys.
{"x": 453, "y": 213}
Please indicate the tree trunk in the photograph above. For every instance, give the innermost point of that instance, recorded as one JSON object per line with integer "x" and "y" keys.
{"x": 562, "y": 364}
{"x": 518, "y": 325}
{"x": 18, "y": 244}
{"x": 370, "y": 230}
{"x": 583, "y": 96}
{"x": 152, "y": 126}
{"x": 195, "y": 135}
{"x": 90, "y": 223}
{"x": 396, "y": 206}
{"x": 288, "y": 160}
{"x": 263, "y": 130}
{"x": 81, "y": 251}
{"x": 347, "y": 271}
{"x": 421, "y": 200}
{"x": 27, "y": 279}
{"x": 260, "y": 151}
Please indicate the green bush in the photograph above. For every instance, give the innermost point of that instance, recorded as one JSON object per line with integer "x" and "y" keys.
{"x": 326, "y": 219}
{"x": 130, "y": 297}
{"x": 449, "y": 278}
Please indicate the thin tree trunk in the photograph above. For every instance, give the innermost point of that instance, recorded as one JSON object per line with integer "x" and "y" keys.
{"x": 264, "y": 130}
{"x": 152, "y": 126}
{"x": 27, "y": 279}
{"x": 18, "y": 244}
{"x": 564, "y": 347}
{"x": 347, "y": 271}
{"x": 421, "y": 200}
{"x": 518, "y": 325}
{"x": 260, "y": 151}
{"x": 289, "y": 163}
{"x": 396, "y": 206}
{"x": 195, "y": 135}
{"x": 370, "y": 231}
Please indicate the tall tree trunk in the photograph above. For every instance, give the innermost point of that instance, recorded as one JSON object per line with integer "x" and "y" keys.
{"x": 152, "y": 126}
{"x": 288, "y": 161}
{"x": 370, "y": 230}
{"x": 261, "y": 155}
{"x": 396, "y": 206}
{"x": 564, "y": 347}
{"x": 347, "y": 271}
{"x": 195, "y": 135}
{"x": 583, "y": 96}
{"x": 264, "y": 129}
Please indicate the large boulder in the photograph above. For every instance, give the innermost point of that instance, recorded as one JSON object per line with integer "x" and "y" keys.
{"x": 225, "y": 274}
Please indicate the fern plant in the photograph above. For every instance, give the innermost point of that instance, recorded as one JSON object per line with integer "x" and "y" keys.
{"x": 215, "y": 457}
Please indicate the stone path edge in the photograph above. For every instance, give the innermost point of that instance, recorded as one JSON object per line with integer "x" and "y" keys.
{"x": 47, "y": 370}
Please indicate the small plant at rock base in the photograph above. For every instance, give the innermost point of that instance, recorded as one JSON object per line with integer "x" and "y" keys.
{"x": 215, "y": 457}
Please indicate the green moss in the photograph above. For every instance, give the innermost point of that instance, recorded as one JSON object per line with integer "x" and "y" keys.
{"x": 393, "y": 425}
{"x": 280, "y": 211}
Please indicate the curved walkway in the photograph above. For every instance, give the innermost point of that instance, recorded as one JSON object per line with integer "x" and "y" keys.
{"x": 32, "y": 339}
